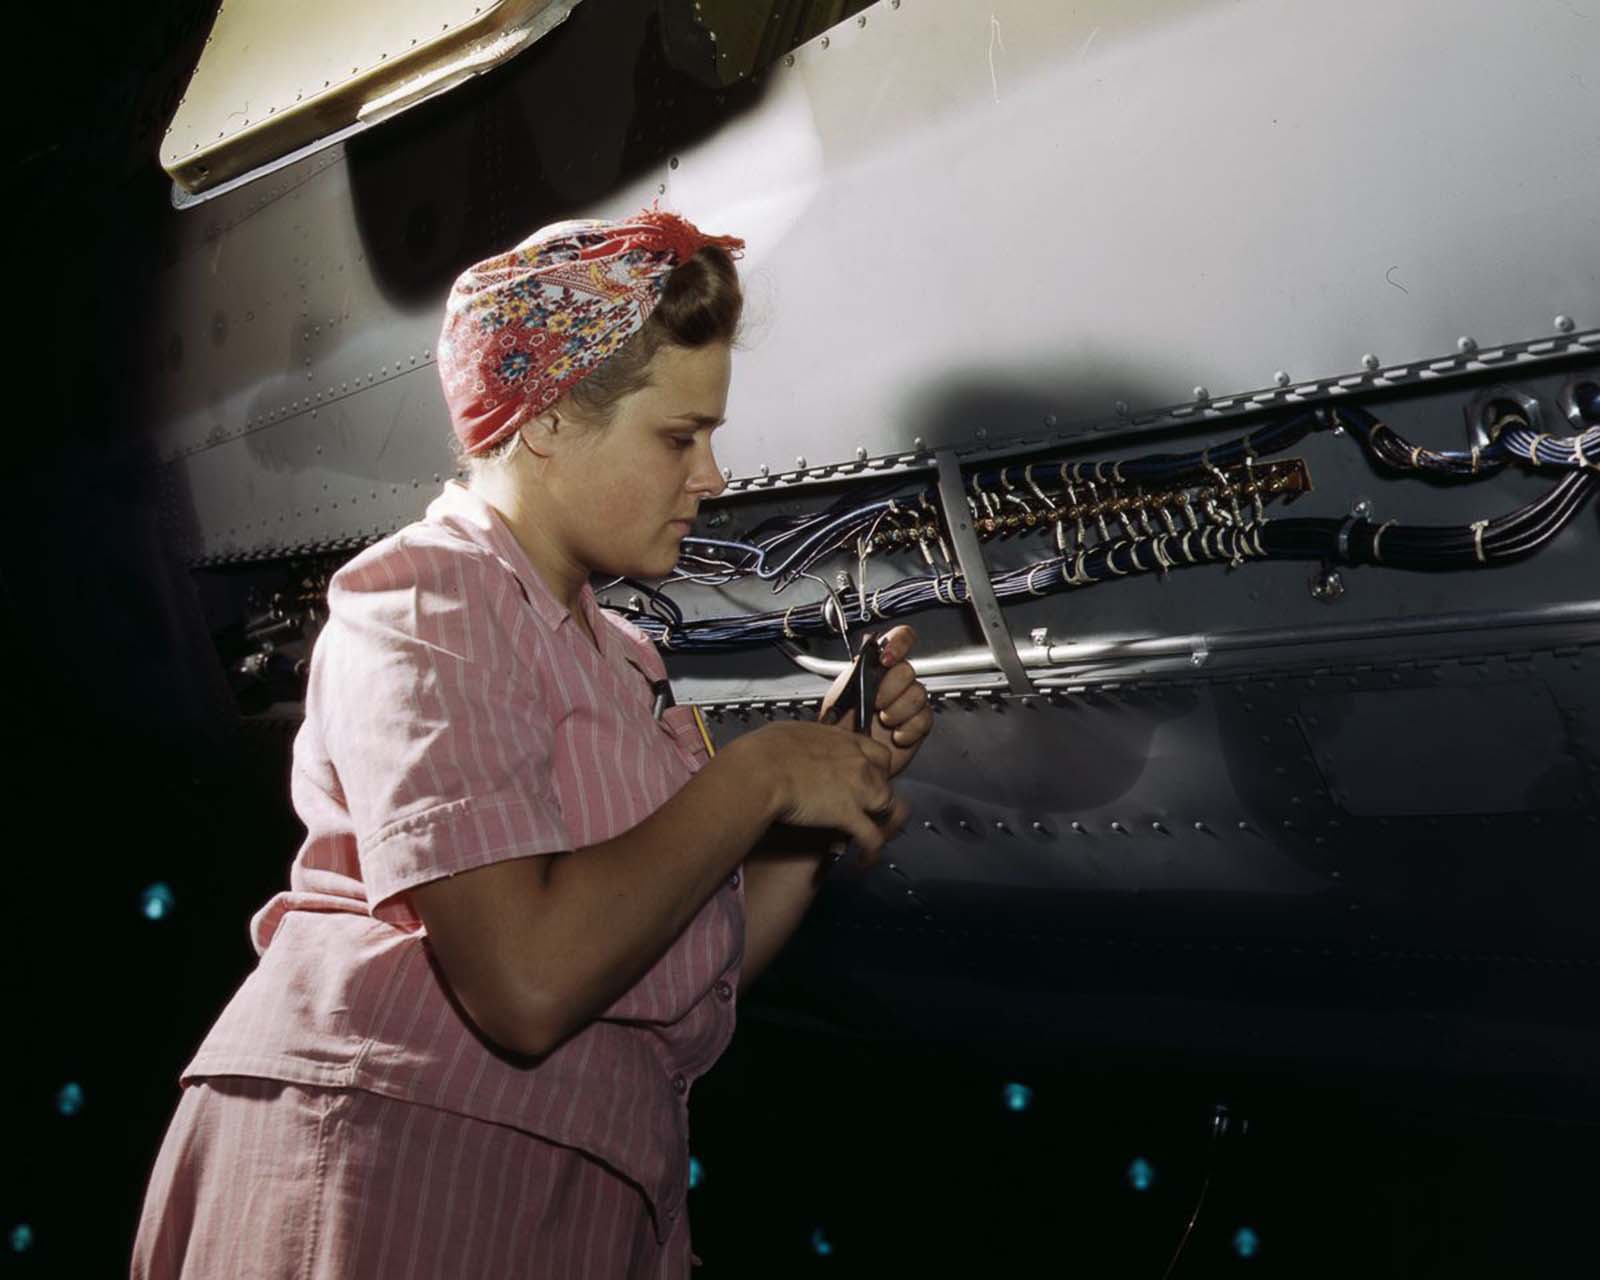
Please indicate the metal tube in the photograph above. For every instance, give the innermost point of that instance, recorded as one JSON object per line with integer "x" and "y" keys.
{"x": 1110, "y": 649}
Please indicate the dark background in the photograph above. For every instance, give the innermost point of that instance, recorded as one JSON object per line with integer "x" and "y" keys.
{"x": 132, "y": 765}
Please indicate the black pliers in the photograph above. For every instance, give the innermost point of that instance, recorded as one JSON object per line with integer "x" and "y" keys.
{"x": 860, "y": 696}
{"x": 859, "y": 700}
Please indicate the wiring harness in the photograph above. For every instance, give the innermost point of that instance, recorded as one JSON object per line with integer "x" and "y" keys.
{"x": 1113, "y": 519}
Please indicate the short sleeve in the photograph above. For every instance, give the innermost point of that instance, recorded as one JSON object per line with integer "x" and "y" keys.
{"x": 428, "y": 692}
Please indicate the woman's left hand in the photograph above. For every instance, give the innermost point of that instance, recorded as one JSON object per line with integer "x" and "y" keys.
{"x": 902, "y": 717}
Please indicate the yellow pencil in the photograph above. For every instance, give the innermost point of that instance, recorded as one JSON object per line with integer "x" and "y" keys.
{"x": 700, "y": 724}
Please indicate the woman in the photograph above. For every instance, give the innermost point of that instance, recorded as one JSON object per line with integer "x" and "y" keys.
{"x": 515, "y": 929}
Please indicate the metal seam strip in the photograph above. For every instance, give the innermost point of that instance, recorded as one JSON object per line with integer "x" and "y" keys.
{"x": 980, "y": 591}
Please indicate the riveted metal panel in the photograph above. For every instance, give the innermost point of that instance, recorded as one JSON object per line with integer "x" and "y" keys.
{"x": 974, "y": 222}
{"x": 982, "y": 229}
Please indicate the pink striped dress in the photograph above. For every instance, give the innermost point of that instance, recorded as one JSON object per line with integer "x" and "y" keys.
{"x": 343, "y": 1117}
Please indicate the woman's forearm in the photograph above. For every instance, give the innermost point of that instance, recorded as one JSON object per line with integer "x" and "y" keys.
{"x": 780, "y": 884}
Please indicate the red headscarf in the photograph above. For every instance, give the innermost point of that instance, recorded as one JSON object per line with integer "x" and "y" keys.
{"x": 522, "y": 327}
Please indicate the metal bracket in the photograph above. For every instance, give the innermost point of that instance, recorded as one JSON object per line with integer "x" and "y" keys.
{"x": 980, "y": 591}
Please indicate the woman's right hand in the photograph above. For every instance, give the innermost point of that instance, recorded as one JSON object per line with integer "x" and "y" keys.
{"x": 825, "y": 776}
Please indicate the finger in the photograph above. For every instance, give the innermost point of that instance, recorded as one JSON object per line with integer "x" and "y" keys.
{"x": 913, "y": 730}
{"x": 867, "y": 834}
{"x": 895, "y": 682}
{"x": 877, "y": 754}
{"x": 890, "y": 823}
{"x": 897, "y": 642}
{"x": 910, "y": 701}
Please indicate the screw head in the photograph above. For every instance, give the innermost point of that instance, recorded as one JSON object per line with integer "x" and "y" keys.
{"x": 1565, "y": 324}
{"x": 800, "y": 462}
{"x": 1122, "y": 408}
{"x": 861, "y": 453}
{"x": 1466, "y": 345}
{"x": 1327, "y": 586}
{"x": 1282, "y": 378}
{"x": 727, "y": 473}
{"x": 1370, "y": 362}
{"x": 1200, "y": 393}
{"x": 1361, "y": 509}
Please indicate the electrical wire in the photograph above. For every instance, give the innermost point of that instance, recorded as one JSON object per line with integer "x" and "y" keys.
{"x": 1196, "y": 495}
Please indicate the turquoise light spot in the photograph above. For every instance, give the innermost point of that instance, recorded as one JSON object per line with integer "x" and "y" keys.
{"x": 21, "y": 1238}
{"x": 819, "y": 1244}
{"x": 1141, "y": 1174}
{"x": 1246, "y": 1243}
{"x": 70, "y": 1100}
{"x": 697, "y": 1172}
{"x": 1018, "y": 1097}
{"x": 157, "y": 902}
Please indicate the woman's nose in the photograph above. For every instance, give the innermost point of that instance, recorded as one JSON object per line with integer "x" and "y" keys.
{"x": 707, "y": 478}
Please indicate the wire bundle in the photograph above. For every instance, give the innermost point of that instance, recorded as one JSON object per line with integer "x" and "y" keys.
{"x": 1203, "y": 487}
{"x": 1514, "y": 441}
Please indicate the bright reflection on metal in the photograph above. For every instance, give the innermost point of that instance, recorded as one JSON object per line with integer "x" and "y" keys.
{"x": 1246, "y": 1243}
{"x": 697, "y": 1172}
{"x": 69, "y": 1101}
{"x": 1018, "y": 1097}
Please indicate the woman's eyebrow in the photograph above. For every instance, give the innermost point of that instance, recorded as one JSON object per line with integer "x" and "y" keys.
{"x": 704, "y": 420}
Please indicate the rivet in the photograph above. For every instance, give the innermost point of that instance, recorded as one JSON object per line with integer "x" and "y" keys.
{"x": 1282, "y": 378}
{"x": 1159, "y": 829}
{"x": 1000, "y": 825}
{"x": 1122, "y": 408}
{"x": 919, "y": 444}
{"x": 861, "y": 21}
{"x": 1049, "y": 419}
{"x": 727, "y": 473}
{"x": 1040, "y": 829}
{"x": 1361, "y": 508}
{"x": 1078, "y": 827}
{"x": 1466, "y": 345}
{"x": 928, "y": 826}
{"x": 982, "y": 433}
{"x": 1202, "y": 828}
{"x": 1118, "y": 827}
{"x": 824, "y": 42}
{"x": 764, "y": 469}
{"x": 1370, "y": 362}
{"x": 861, "y": 453}
{"x": 800, "y": 462}
{"x": 1565, "y": 324}
{"x": 672, "y": 163}
{"x": 1200, "y": 393}
{"x": 789, "y": 60}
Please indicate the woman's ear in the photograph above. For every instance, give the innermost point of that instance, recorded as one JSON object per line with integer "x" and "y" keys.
{"x": 542, "y": 433}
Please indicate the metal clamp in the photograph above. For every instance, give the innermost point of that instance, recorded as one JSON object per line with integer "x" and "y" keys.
{"x": 980, "y": 591}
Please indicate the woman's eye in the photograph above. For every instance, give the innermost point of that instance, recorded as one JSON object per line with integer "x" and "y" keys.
{"x": 682, "y": 442}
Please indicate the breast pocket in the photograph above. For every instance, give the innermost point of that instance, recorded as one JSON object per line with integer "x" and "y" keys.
{"x": 678, "y": 723}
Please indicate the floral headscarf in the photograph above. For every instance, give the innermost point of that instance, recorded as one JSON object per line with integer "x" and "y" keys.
{"x": 522, "y": 327}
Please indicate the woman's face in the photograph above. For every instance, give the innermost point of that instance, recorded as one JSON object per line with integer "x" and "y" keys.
{"x": 627, "y": 493}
